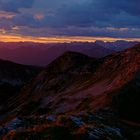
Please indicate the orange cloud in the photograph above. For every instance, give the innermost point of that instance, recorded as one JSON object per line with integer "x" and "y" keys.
{"x": 2, "y": 31}
{"x": 39, "y": 16}
{"x": 8, "y": 15}
{"x": 59, "y": 39}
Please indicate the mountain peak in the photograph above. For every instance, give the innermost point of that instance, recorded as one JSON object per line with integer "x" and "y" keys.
{"x": 72, "y": 54}
{"x": 68, "y": 60}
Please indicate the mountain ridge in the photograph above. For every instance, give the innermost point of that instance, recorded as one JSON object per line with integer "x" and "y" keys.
{"x": 87, "y": 97}
{"x": 99, "y": 76}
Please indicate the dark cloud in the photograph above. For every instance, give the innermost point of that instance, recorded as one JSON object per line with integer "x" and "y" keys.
{"x": 118, "y": 18}
{"x": 15, "y": 5}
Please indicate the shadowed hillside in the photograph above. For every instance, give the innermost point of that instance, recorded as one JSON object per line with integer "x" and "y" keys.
{"x": 90, "y": 98}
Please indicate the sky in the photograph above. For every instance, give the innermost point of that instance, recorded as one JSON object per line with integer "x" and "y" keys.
{"x": 65, "y": 20}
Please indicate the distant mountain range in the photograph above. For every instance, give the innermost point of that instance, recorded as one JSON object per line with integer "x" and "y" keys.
{"x": 43, "y": 54}
{"x": 78, "y": 97}
{"x": 117, "y": 45}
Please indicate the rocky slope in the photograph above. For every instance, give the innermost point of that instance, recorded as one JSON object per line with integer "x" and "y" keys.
{"x": 95, "y": 99}
{"x": 75, "y": 81}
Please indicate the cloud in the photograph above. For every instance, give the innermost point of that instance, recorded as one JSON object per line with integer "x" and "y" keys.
{"x": 71, "y": 17}
{"x": 7, "y": 15}
{"x": 15, "y": 5}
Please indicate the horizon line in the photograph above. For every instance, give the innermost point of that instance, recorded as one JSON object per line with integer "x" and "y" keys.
{"x": 60, "y": 39}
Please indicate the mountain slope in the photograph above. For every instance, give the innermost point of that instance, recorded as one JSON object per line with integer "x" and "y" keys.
{"x": 13, "y": 77}
{"x": 78, "y": 97}
{"x": 75, "y": 81}
{"x": 126, "y": 102}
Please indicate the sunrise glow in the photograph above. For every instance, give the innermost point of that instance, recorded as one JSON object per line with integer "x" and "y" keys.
{"x": 59, "y": 39}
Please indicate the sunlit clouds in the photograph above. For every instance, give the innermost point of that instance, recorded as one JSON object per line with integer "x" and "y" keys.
{"x": 58, "y": 39}
{"x": 39, "y": 16}
{"x": 95, "y": 19}
{"x": 7, "y": 15}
